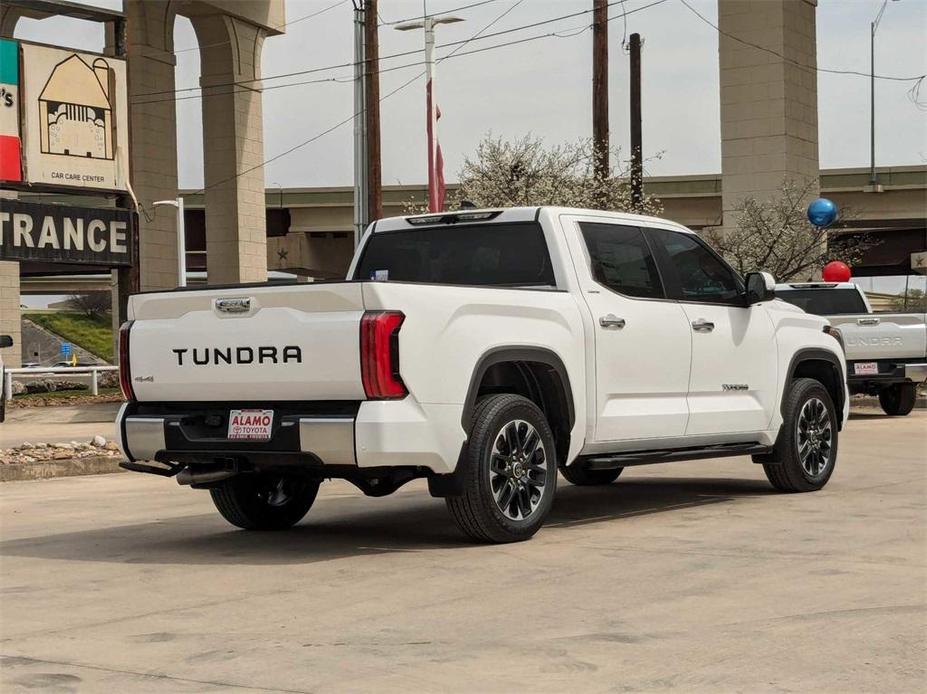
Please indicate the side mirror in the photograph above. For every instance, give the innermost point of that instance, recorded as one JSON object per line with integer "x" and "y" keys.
{"x": 5, "y": 341}
{"x": 761, "y": 286}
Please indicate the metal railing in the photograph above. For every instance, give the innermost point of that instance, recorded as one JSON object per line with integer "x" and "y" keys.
{"x": 93, "y": 371}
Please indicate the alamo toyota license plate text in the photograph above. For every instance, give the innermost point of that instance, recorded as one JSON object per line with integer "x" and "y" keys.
{"x": 251, "y": 425}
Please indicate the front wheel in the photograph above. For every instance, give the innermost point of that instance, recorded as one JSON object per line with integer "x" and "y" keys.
{"x": 509, "y": 471}
{"x": 806, "y": 452}
{"x": 265, "y": 502}
{"x": 898, "y": 400}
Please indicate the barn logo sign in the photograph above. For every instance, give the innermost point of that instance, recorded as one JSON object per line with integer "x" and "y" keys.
{"x": 73, "y": 118}
{"x": 65, "y": 234}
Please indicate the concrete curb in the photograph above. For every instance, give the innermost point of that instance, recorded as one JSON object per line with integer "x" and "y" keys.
{"x": 70, "y": 467}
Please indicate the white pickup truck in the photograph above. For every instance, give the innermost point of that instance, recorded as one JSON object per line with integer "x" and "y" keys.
{"x": 482, "y": 350}
{"x": 886, "y": 352}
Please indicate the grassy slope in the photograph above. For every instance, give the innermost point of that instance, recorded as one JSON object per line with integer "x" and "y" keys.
{"x": 93, "y": 334}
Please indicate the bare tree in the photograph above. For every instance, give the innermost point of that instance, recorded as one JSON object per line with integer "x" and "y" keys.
{"x": 95, "y": 304}
{"x": 775, "y": 235}
{"x": 525, "y": 172}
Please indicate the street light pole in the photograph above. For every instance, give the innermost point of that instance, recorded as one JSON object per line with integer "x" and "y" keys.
{"x": 428, "y": 24}
{"x": 181, "y": 239}
{"x": 873, "y": 178}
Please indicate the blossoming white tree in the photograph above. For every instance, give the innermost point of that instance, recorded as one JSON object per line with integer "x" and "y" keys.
{"x": 526, "y": 172}
{"x": 775, "y": 235}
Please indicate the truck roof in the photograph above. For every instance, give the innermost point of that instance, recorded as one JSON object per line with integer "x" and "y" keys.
{"x": 815, "y": 285}
{"x": 515, "y": 214}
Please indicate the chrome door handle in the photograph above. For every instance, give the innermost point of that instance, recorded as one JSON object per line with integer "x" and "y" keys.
{"x": 611, "y": 321}
{"x": 703, "y": 326}
{"x": 867, "y": 321}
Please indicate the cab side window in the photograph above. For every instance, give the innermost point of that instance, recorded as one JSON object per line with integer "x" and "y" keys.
{"x": 621, "y": 260}
{"x": 698, "y": 273}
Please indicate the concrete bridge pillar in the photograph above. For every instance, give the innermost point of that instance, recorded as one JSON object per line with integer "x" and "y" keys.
{"x": 9, "y": 313}
{"x": 233, "y": 148}
{"x": 153, "y": 135}
{"x": 769, "y": 115}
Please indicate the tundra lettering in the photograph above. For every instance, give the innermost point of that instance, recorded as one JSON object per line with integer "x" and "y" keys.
{"x": 240, "y": 355}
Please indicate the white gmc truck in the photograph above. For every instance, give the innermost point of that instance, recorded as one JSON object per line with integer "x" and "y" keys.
{"x": 482, "y": 350}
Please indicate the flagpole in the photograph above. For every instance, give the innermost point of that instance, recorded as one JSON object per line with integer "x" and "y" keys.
{"x": 433, "y": 203}
{"x": 435, "y": 175}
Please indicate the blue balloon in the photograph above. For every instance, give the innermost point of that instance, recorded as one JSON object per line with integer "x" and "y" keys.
{"x": 822, "y": 212}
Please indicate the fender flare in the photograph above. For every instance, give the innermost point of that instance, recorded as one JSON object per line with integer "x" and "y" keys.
{"x": 815, "y": 354}
{"x": 498, "y": 355}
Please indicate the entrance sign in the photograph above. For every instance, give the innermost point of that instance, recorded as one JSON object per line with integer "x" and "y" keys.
{"x": 65, "y": 234}
{"x": 75, "y": 119}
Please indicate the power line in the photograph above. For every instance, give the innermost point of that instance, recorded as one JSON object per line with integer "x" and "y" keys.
{"x": 566, "y": 33}
{"x": 796, "y": 63}
{"x": 285, "y": 24}
{"x": 422, "y": 16}
{"x": 346, "y": 120}
{"x": 394, "y": 55}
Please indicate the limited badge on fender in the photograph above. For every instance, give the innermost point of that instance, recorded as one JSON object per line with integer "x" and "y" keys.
{"x": 251, "y": 425}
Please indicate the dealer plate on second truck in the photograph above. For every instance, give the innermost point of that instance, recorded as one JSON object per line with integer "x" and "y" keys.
{"x": 866, "y": 368}
{"x": 251, "y": 425}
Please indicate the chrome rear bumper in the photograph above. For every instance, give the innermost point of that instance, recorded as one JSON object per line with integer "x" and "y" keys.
{"x": 330, "y": 439}
{"x": 916, "y": 372}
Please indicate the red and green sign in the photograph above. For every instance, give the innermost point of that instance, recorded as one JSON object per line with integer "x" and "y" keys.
{"x": 10, "y": 142}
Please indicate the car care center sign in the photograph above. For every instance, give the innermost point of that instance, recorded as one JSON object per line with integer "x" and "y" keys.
{"x": 71, "y": 126}
{"x": 65, "y": 234}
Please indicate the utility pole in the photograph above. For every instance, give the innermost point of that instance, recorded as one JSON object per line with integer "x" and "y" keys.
{"x": 372, "y": 122}
{"x": 360, "y": 126}
{"x": 600, "y": 87}
{"x": 637, "y": 161}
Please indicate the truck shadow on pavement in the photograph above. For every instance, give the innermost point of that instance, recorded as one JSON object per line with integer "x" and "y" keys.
{"x": 346, "y": 526}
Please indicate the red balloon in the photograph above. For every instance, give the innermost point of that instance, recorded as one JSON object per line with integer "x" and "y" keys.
{"x": 836, "y": 271}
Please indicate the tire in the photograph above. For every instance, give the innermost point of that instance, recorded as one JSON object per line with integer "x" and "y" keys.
{"x": 508, "y": 489}
{"x": 806, "y": 452}
{"x": 589, "y": 478}
{"x": 898, "y": 400}
{"x": 265, "y": 502}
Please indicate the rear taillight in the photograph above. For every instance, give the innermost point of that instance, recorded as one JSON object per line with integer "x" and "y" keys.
{"x": 380, "y": 355}
{"x": 125, "y": 372}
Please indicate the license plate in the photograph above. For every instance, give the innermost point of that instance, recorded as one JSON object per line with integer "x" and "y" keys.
{"x": 866, "y": 368}
{"x": 250, "y": 425}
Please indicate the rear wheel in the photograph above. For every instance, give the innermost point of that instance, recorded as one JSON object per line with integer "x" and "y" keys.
{"x": 806, "y": 452}
{"x": 589, "y": 478}
{"x": 898, "y": 400}
{"x": 263, "y": 501}
{"x": 509, "y": 471}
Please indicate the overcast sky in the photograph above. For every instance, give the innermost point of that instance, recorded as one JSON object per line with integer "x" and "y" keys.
{"x": 544, "y": 87}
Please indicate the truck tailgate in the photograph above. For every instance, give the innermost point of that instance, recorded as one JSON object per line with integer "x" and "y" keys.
{"x": 283, "y": 342}
{"x": 883, "y": 335}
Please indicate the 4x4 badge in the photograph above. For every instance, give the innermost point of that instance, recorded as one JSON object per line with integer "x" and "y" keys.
{"x": 238, "y": 304}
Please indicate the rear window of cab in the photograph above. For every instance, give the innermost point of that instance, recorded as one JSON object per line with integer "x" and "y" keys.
{"x": 512, "y": 255}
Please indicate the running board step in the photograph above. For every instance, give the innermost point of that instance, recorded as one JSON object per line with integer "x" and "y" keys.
{"x": 609, "y": 461}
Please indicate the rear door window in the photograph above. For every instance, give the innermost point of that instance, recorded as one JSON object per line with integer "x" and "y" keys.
{"x": 621, "y": 260}
{"x": 824, "y": 302}
{"x": 512, "y": 255}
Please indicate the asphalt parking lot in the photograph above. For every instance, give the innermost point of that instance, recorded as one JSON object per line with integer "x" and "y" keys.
{"x": 692, "y": 576}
